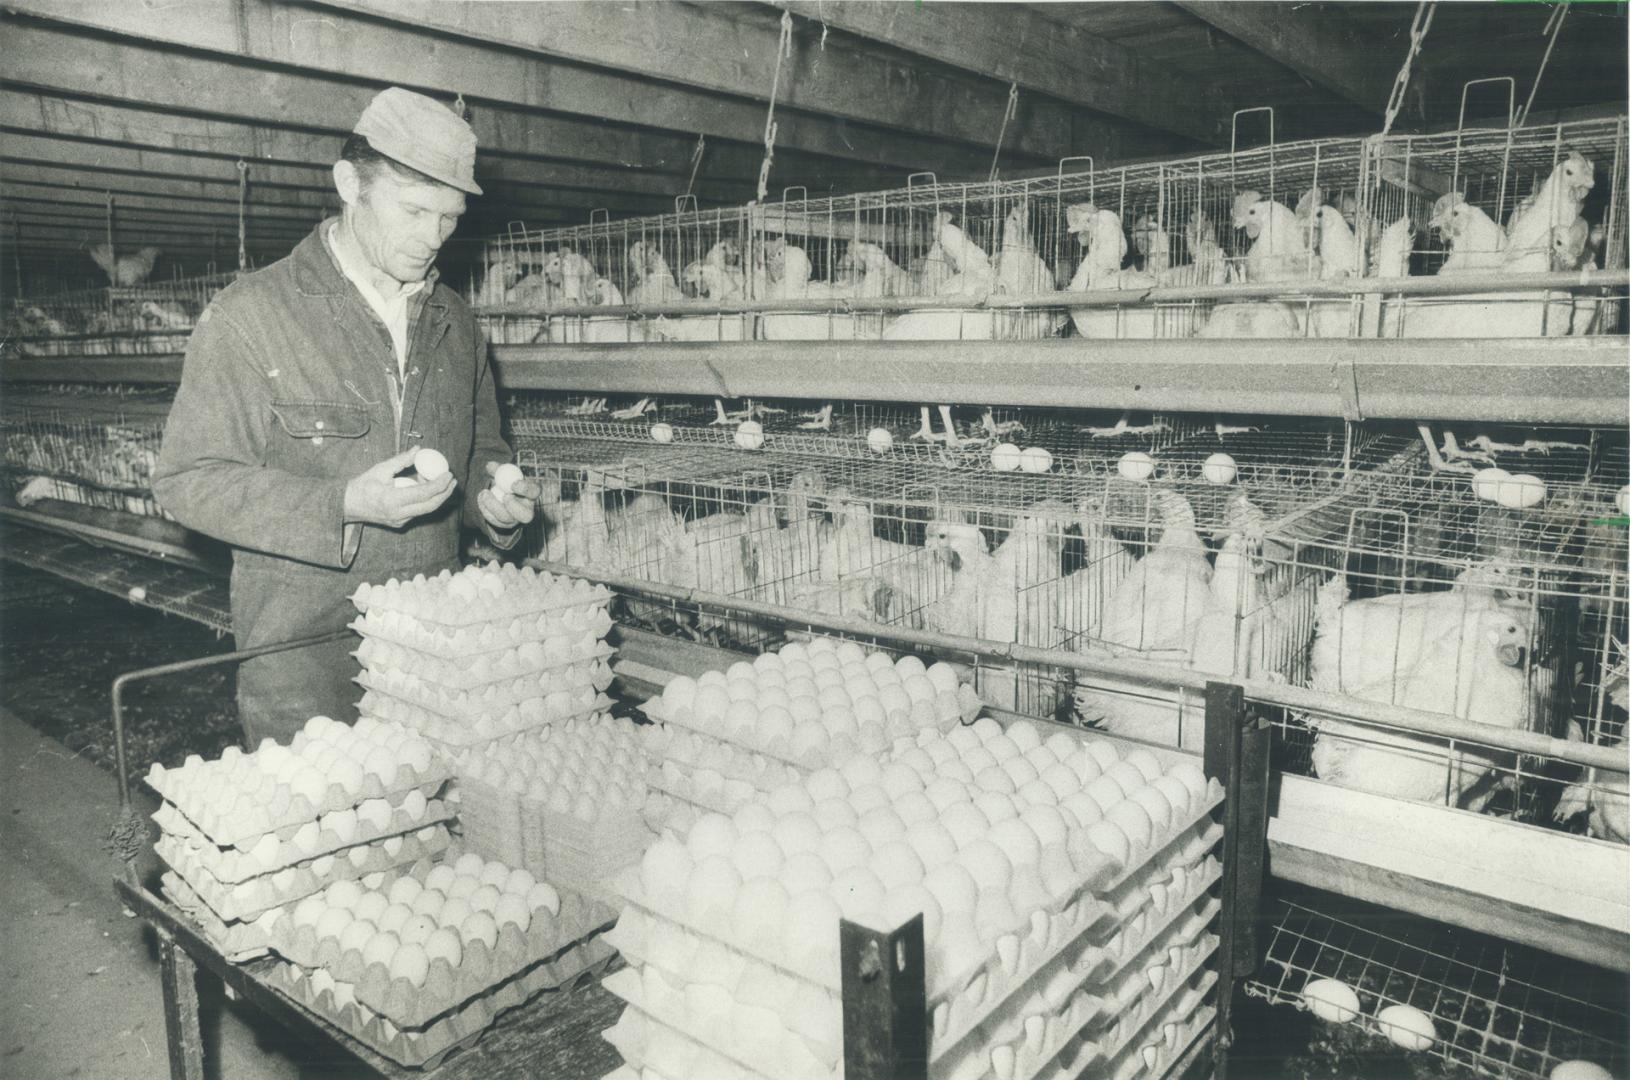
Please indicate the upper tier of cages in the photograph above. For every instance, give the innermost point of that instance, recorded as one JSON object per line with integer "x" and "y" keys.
{"x": 1154, "y": 244}
{"x": 154, "y": 317}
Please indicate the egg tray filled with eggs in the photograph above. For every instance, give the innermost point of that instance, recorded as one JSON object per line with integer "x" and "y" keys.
{"x": 238, "y": 942}
{"x": 247, "y": 900}
{"x": 770, "y": 885}
{"x": 419, "y": 943}
{"x": 550, "y": 629}
{"x": 816, "y": 703}
{"x": 531, "y": 660}
{"x": 237, "y": 798}
{"x": 655, "y": 1051}
{"x": 567, "y": 797}
{"x": 428, "y": 1046}
{"x": 487, "y": 594}
{"x": 453, "y": 732}
{"x": 333, "y": 832}
{"x": 569, "y": 688}
{"x": 1163, "y": 1041}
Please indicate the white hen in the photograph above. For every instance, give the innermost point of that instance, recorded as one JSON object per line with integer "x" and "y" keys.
{"x": 1555, "y": 205}
{"x": 1166, "y": 590}
{"x": 125, "y": 270}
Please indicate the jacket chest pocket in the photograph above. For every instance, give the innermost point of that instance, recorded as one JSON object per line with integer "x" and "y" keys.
{"x": 316, "y": 438}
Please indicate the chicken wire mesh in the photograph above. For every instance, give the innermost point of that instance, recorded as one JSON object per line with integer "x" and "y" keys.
{"x": 1498, "y": 1009}
{"x": 96, "y": 446}
{"x": 1527, "y": 199}
{"x": 154, "y": 317}
{"x": 1337, "y": 557}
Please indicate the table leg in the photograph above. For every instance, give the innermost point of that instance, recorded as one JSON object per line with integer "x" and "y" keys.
{"x": 180, "y": 979}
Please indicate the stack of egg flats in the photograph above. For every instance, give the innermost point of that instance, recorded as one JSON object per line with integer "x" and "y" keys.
{"x": 1063, "y": 890}
{"x": 563, "y": 801}
{"x": 246, "y": 835}
{"x": 422, "y": 960}
{"x": 730, "y": 736}
{"x": 467, "y": 657}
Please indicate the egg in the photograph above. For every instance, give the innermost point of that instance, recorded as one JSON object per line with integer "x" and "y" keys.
{"x": 1136, "y": 465}
{"x": 454, "y": 912}
{"x": 750, "y": 435}
{"x": 1005, "y": 457}
{"x": 757, "y": 855}
{"x": 809, "y": 937}
{"x": 505, "y": 477}
{"x": 394, "y": 916}
{"x": 1219, "y": 469}
{"x": 371, "y": 906}
{"x": 1133, "y": 821}
{"x": 662, "y": 433}
{"x": 356, "y": 935}
{"x": 1108, "y": 838}
{"x": 1331, "y": 1000}
{"x": 381, "y": 948}
{"x": 430, "y": 464}
{"x": 479, "y": 927}
{"x": 759, "y": 915}
{"x": 1580, "y": 1070}
{"x": 932, "y": 842}
{"x": 880, "y": 440}
{"x": 345, "y": 894}
{"x": 309, "y": 910}
{"x": 485, "y": 898}
{"x": 543, "y": 896}
{"x": 495, "y": 874}
{"x": 803, "y": 872}
{"x": 712, "y": 893}
{"x": 445, "y": 945}
{"x": 429, "y": 902}
{"x": 1486, "y": 482}
{"x": 987, "y": 864}
{"x": 1035, "y": 459}
{"x": 520, "y": 881}
{"x": 1192, "y": 778}
{"x": 417, "y": 929}
{"x": 1407, "y": 1027}
{"x": 1156, "y": 806}
{"x": 843, "y": 848}
{"x": 1520, "y": 491}
{"x": 411, "y": 962}
{"x": 404, "y": 890}
{"x": 333, "y": 922}
{"x": 512, "y": 909}
{"x": 1622, "y": 502}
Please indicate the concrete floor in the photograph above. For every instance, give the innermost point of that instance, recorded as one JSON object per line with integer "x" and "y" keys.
{"x": 79, "y": 984}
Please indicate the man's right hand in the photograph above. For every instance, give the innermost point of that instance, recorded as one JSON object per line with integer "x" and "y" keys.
{"x": 374, "y": 498}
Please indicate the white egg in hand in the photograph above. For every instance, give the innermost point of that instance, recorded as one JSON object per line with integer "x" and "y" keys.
{"x": 430, "y": 464}
{"x": 1219, "y": 468}
{"x": 506, "y": 477}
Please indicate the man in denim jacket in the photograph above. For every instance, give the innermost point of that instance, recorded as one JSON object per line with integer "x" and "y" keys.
{"x": 307, "y": 388}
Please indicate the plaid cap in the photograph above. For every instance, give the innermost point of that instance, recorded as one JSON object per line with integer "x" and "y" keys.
{"x": 422, "y": 134}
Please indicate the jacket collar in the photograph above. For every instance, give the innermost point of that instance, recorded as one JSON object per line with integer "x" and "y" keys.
{"x": 317, "y": 274}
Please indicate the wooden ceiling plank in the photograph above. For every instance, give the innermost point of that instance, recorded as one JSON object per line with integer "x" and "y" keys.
{"x": 1014, "y": 44}
{"x": 1323, "y": 49}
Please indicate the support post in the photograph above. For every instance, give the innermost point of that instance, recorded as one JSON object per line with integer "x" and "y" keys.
{"x": 179, "y": 976}
{"x": 885, "y": 1002}
{"x": 1236, "y": 753}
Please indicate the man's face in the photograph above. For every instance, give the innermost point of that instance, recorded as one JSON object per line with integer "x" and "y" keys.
{"x": 400, "y": 224}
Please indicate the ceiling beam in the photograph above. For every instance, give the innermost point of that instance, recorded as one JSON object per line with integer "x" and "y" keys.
{"x": 714, "y": 48}
{"x": 259, "y": 38}
{"x": 1016, "y": 45}
{"x": 56, "y": 61}
{"x": 1315, "y": 44}
{"x": 119, "y": 124}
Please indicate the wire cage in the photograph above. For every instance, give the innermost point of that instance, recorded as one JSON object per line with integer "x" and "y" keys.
{"x": 1498, "y": 1009}
{"x": 92, "y": 445}
{"x": 705, "y": 256}
{"x": 154, "y": 317}
{"x": 1504, "y": 200}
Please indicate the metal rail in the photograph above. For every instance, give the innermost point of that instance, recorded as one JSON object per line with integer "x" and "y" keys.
{"x": 1095, "y": 662}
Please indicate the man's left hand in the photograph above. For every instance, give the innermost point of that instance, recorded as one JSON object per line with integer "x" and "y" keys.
{"x": 507, "y": 512}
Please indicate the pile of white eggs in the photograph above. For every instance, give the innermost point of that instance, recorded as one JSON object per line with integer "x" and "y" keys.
{"x": 239, "y": 798}
{"x": 817, "y": 703}
{"x": 984, "y": 832}
{"x": 1005, "y": 457}
{"x": 1514, "y": 491}
{"x": 408, "y": 924}
{"x": 480, "y": 594}
{"x": 580, "y": 630}
{"x": 585, "y": 767}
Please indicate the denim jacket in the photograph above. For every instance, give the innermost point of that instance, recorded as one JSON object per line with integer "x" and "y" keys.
{"x": 289, "y": 389}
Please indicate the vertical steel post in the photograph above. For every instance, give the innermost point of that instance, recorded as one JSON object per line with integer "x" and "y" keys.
{"x": 885, "y": 1002}
{"x": 179, "y": 976}
{"x": 1236, "y": 753}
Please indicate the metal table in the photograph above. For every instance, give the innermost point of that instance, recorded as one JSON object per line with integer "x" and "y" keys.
{"x": 556, "y": 1034}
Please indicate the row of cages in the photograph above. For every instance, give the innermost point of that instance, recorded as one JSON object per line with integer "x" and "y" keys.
{"x": 1367, "y": 560}
{"x": 150, "y": 318}
{"x": 1483, "y": 203}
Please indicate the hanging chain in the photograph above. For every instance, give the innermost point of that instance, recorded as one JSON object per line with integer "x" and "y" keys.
{"x": 1010, "y": 113}
{"x": 696, "y": 162}
{"x": 243, "y": 193}
{"x": 1553, "y": 28}
{"x": 111, "y": 253}
{"x": 783, "y": 51}
{"x": 1417, "y": 35}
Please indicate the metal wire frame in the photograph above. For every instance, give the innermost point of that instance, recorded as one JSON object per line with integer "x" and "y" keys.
{"x": 92, "y": 448}
{"x": 1500, "y": 1010}
{"x": 151, "y": 318}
